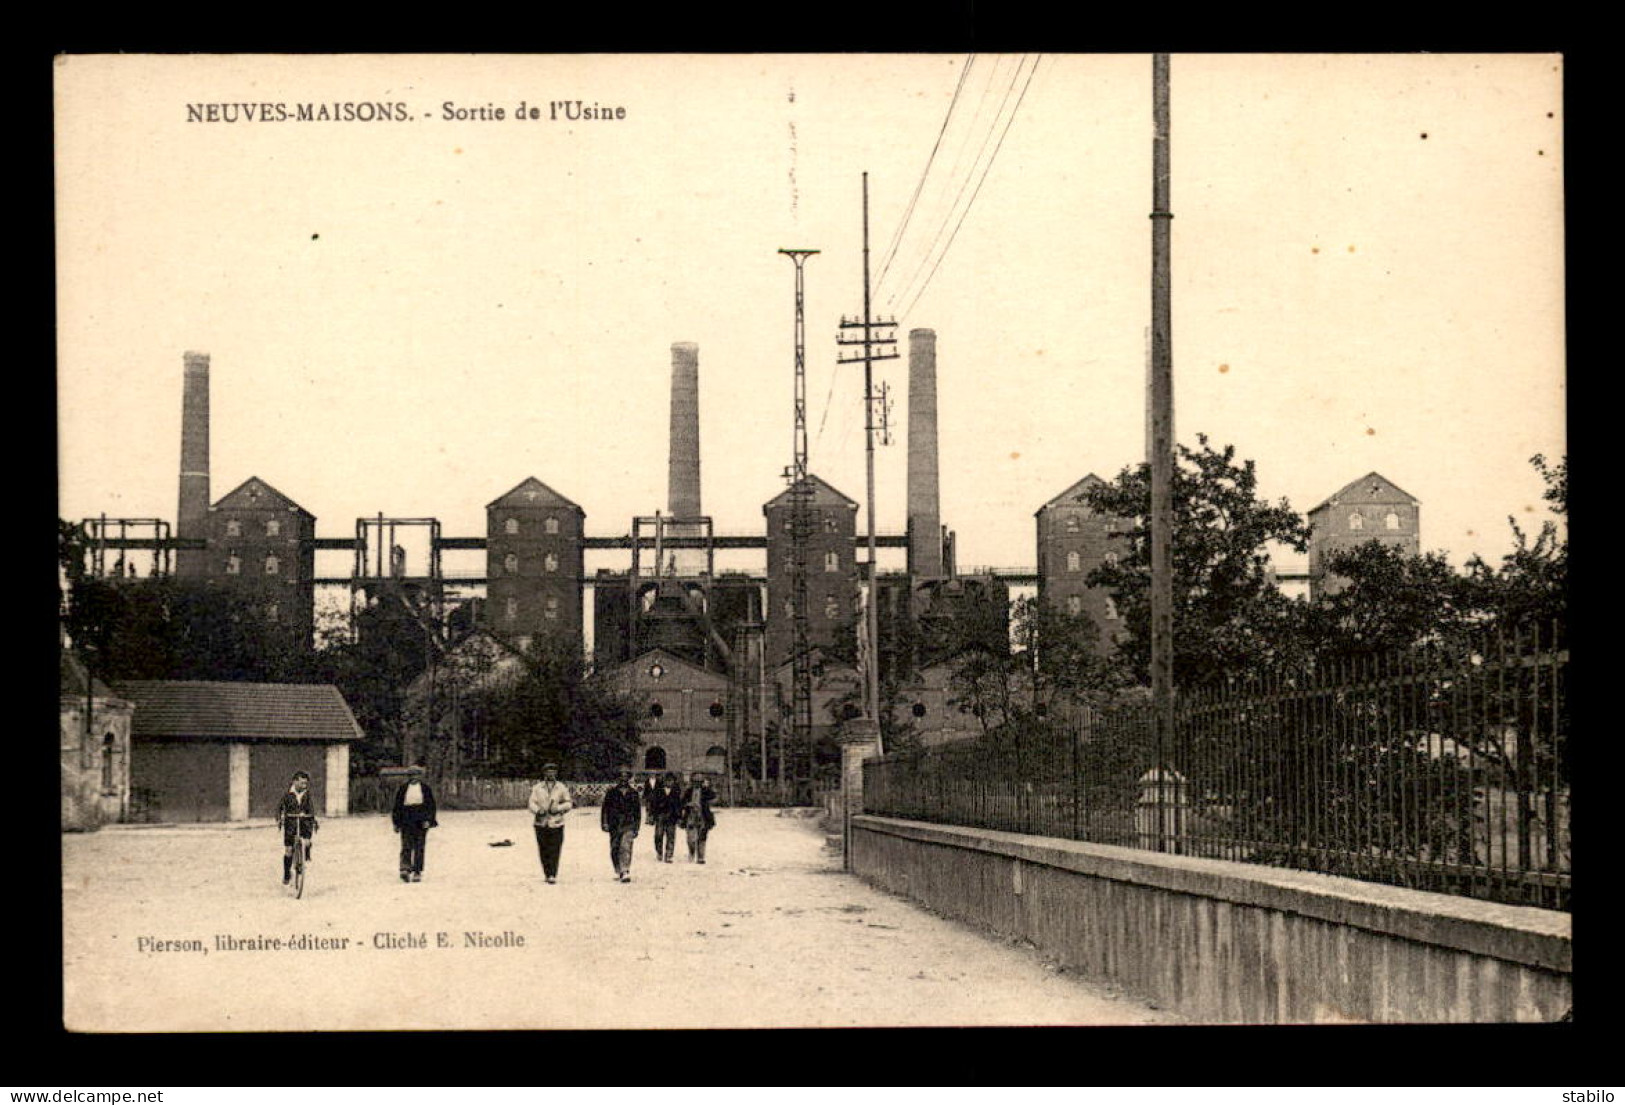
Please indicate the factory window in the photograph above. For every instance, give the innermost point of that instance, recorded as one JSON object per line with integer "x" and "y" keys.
{"x": 789, "y": 609}
{"x": 1391, "y": 520}
{"x": 716, "y": 709}
{"x": 1356, "y": 521}
{"x": 510, "y": 564}
{"x": 552, "y": 525}
{"x": 829, "y": 525}
{"x": 654, "y": 759}
{"x": 273, "y": 612}
{"x": 832, "y": 608}
{"x": 832, "y": 562}
{"x": 656, "y": 710}
{"x": 234, "y": 565}
{"x": 511, "y": 610}
{"x": 716, "y": 750}
{"x": 108, "y": 785}
{"x": 551, "y": 610}
{"x": 234, "y": 528}
{"x": 1111, "y": 559}
{"x": 1072, "y": 524}
{"x": 551, "y": 562}
{"x": 918, "y": 709}
{"x": 1074, "y": 604}
{"x": 273, "y": 527}
{"x": 272, "y": 565}
{"x": 510, "y": 526}
{"x": 1074, "y": 562}
{"x": 1111, "y": 609}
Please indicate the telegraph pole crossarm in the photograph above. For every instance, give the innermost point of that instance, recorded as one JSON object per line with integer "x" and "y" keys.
{"x": 876, "y": 347}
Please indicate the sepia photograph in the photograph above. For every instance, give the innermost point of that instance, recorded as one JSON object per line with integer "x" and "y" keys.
{"x": 659, "y": 541}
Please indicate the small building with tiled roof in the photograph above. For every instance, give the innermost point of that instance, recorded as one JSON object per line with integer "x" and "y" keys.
{"x": 209, "y": 751}
{"x": 95, "y": 739}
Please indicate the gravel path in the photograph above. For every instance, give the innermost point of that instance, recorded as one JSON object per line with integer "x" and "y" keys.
{"x": 768, "y": 933}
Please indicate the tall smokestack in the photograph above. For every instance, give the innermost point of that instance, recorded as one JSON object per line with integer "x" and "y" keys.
{"x": 683, "y": 473}
{"x": 924, "y": 501}
{"x": 193, "y": 514}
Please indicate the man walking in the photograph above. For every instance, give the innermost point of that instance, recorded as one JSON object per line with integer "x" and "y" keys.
{"x": 549, "y": 802}
{"x": 697, "y": 818}
{"x": 665, "y": 810}
{"x": 414, "y": 816}
{"x": 619, "y": 817}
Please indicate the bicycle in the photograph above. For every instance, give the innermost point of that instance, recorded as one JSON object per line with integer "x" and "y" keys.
{"x": 301, "y": 852}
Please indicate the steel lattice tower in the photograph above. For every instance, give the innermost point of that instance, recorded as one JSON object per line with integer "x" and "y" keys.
{"x": 801, "y": 719}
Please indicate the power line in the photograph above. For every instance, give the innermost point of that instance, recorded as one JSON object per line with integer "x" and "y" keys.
{"x": 959, "y": 195}
{"x": 999, "y": 145}
{"x": 947, "y": 187}
{"x": 891, "y": 250}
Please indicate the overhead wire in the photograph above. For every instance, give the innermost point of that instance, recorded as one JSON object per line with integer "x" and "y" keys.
{"x": 977, "y": 191}
{"x": 908, "y": 213}
{"x": 969, "y": 130}
{"x": 897, "y": 235}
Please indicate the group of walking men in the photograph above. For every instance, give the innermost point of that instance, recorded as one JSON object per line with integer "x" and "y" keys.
{"x": 666, "y": 804}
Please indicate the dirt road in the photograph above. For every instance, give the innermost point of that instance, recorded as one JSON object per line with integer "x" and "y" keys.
{"x": 175, "y": 929}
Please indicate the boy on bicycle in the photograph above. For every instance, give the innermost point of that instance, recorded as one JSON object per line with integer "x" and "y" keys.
{"x": 296, "y": 817}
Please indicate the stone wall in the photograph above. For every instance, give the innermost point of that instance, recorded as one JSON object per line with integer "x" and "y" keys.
{"x": 1233, "y": 942}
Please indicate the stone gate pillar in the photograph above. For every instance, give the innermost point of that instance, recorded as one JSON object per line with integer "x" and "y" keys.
{"x": 859, "y": 739}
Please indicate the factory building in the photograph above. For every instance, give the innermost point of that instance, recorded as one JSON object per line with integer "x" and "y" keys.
{"x": 1074, "y": 540}
{"x": 534, "y": 565}
{"x": 831, "y": 565}
{"x": 1372, "y": 508}
{"x": 682, "y": 712}
{"x": 261, "y": 545}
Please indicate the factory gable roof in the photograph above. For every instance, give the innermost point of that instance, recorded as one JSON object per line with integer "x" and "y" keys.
{"x": 239, "y": 711}
{"x": 1073, "y": 496}
{"x": 532, "y": 492}
{"x": 822, "y": 495}
{"x": 255, "y": 494}
{"x": 1369, "y": 488}
{"x": 675, "y": 673}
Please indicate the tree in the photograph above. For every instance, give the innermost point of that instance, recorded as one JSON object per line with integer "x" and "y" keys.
{"x": 542, "y": 706}
{"x": 1531, "y": 585}
{"x": 1014, "y": 669}
{"x": 1389, "y": 600}
{"x": 1229, "y": 615}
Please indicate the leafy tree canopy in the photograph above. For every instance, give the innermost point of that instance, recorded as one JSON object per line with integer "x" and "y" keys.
{"x": 1229, "y": 614}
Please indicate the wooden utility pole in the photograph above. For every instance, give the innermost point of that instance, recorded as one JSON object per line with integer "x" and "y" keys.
{"x": 886, "y": 339}
{"x": 1161, "y": 443}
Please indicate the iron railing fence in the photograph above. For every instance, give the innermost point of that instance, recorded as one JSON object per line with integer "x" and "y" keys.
{"x": 1440, "y": 768}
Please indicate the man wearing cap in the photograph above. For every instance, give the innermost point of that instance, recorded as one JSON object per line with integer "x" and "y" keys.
{"x": 414, "y": 816}
{"x": 549, "y": 802}
{"x": 619, "y": 816}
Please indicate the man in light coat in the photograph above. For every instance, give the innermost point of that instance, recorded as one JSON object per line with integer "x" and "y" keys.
{"x": 549, "y": 802}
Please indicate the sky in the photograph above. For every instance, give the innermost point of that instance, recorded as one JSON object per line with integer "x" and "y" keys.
{"x": 413, "y": 316}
